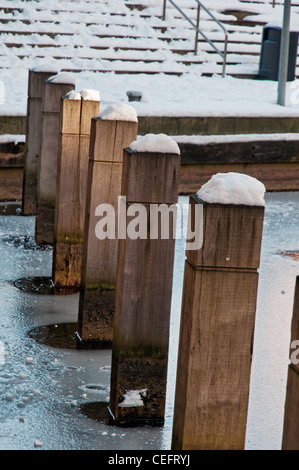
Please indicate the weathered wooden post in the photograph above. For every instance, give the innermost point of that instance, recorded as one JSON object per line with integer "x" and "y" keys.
{"x": 113, "y": 130}
{"x": 144, "y": 282}
{"x": 290, "y": 439}
{"x": 36, "y": 81}
{"x": 55, "y": 87}
{"x": 76, "y": 115}
{"x": 218, "y": 316}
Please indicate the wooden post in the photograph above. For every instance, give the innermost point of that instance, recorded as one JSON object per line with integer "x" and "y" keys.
{"x": 96, "y": 305}
{"x": 47, "y": 171}
{"x": 217, "y": 326}
{"x": 143, "y": 294}
{"x": 36, "y": 80}
{"x": 290, "y": 439}
{"x": 76, "y": 115}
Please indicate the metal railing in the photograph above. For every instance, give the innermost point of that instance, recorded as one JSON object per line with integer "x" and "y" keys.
{"x": 273, "y": 3}
{"x": 198, "y": 31}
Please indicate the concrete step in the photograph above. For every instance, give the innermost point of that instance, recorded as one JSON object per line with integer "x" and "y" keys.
{"x": 188, "y": 126}
{"x": 105, "y": 28}
{"x": 244, "y": 148}
{"x": 273, "y": 159}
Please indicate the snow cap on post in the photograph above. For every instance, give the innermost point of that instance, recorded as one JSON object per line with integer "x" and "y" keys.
{"x": 73, "y": 95}
{"x": 157, "y": 143}
{"x": 63, "y": 77}
{"x": 118, "y": 112}
{"x": 90, "y": 95}
{"x": 233, "y": 188}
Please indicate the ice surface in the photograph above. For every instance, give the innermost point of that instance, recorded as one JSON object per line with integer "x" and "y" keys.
{"x": 156, "y": 143}
{"x": 233, "y": 188}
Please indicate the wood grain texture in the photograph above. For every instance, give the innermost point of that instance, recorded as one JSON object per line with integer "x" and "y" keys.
{"x": 89, "y": 110}
{"x": 100, "y": 257}
{"x": 228, "y": 230}
{"x": 143, "y": 293}
{"x": 48, "y": 161}
{"x": 71, "y": 190}
{"x": 110, "y": 137}
{"x": 67, "y": 199}
{"x": 215, "y": 353}
{"x": 217, "y": 328}
{"x": 275, "y": 176}
{"x": 107, "y": 141}
{"x": 70, "y": 116}
{"x": 259, "y": 151}
{"x": 11, "y": 182}
{"x": 140, "y": 181}
{"x": 290, "y": 440}
{"x": 36, "y": 83}
{"x": 50, "y": 141}
{"x": 295, "y": 320}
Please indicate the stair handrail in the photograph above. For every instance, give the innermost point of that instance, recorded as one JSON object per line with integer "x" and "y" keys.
{"x": 223, "y": 54}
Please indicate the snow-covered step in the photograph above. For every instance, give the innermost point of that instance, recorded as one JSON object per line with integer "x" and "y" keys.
{"x": 130, "y": 36}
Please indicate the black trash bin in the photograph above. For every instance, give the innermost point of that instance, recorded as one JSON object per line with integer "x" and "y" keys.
{"x": 270, "y": 54}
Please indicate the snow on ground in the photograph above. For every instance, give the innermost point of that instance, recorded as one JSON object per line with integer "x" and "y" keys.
{"x": 164, "y": 95}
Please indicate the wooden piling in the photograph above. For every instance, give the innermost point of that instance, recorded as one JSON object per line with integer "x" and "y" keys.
{"x": 96, "y": 305}
{"x": 47, "y": 170}
{"x": 36, "y": 81}
{"x": 72, "y": 188}
{"x": 217, "y": 327}
{"x": 290, "y": 440}
{"x": 143, "y": 294}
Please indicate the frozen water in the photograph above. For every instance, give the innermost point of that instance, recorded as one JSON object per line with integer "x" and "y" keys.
{"x": 42, "y": 401}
